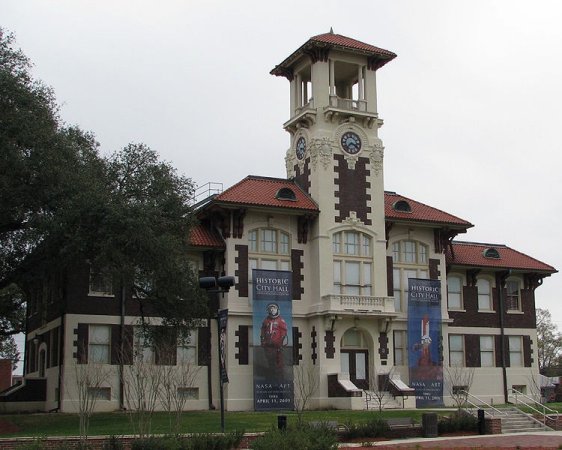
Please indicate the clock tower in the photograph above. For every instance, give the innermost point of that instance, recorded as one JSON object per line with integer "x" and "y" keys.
{"x": 335, "y": 152}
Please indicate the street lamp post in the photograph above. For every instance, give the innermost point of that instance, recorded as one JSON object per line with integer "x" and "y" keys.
{"x": 220, "y": 285}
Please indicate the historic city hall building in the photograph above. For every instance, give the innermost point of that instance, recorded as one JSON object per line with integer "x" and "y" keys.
{"x": 350, "y": 248}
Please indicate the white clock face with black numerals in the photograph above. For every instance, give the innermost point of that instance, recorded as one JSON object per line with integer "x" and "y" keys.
{"x": 300, "y": 147}
{"x": 351, "y": 142}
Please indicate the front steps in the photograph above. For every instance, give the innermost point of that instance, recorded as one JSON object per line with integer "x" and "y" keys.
{"x": 381, "y": 400}
{"x": 515, "y": 421}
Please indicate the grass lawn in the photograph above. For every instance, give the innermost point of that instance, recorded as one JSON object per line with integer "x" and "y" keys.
{"x": 119, "y": 423}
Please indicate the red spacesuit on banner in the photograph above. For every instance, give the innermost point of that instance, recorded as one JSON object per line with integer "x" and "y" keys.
{"x": 273, "y": 336}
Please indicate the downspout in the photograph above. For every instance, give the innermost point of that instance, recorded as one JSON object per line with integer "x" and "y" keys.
{"x": 121, "y": 349}
{"x": 61, "y": 361}
{"x": 500, "y": 281}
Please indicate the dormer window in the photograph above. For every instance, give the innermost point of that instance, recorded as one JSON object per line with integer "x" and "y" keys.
{"x": 286, "y": 194}
{"x": 402, "y": 206}
{"x": 491, "y": 253}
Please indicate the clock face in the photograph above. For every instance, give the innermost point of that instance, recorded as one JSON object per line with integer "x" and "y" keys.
{"x": 351, "y": 143}
{"x": 300, "y": 147}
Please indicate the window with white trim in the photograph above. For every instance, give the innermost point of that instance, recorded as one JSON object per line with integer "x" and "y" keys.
{"x": 410, "y": 260}
{"x": 143, "y": 348}
{"x": 353, "y": 265}
{"x": 269, "y": 249}
{"x": 399, "y": 342}
{"x": 454, "y": 292}
{"x": 99, "y": 393}
{"x": 456, "y": 350}
{"x": 484, "y": 294}
{"x": 187, "y": 349}
{"x": 515, "y": 351}
{"x": 487, "y": 356}
{"x": 512, "y": 300}
{"x": 101, "y": 282}
{"x": 99, "y": 342}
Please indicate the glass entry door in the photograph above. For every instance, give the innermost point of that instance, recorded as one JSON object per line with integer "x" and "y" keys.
{"x": 356, "y": 363}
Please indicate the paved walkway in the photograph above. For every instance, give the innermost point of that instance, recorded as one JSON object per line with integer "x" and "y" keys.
{"x": 515, "y": 441}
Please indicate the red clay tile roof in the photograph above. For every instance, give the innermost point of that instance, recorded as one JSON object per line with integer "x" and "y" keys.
{"x": 419, "y": 212}
{"x": 200, "y": 236}
{"x": 472, "y": 254}
{"x": 262, "y": 191}
{"x": 332, "y": 40}
{"x": 352, "y": 44}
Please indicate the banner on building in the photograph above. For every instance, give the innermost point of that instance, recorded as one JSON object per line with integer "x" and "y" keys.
{"x": 223, "y": 320}
{"x": 424, "y": 341}
{"x": 272, "y": 339}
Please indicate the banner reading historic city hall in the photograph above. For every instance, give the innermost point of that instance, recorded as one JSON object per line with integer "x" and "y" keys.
{"x": 424, "y": 340}
{"x": 273, "y": 339}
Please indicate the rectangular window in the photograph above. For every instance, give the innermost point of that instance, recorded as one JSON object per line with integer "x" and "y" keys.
{"x": 515, "y": 351}
{"x": 487, "y": 358}
{"x": 337, "y": 277}
{"x": 143, "y": 348}
{"x": 456, "y": 350}
{"x": 337, "y": 243}
{"x": 422, "y": 254}
{"x": 284, "y": 243}
{"x": 99, "y": 344}
{"x": 351, "y": 243}
{"x": 484, "y": 295}
{"x": 366, "y": 288}
{"x": 399, "y": 340}
{"x": 397, "y": 290}
{"x": 101, "y": 282}
{"x": 409, "y": 255}
{"x": 253, "y": 241}
{"x": 99, "y": 393}
{"x": 269, "y": 241}
{"x": 396, "y": 252}
{"x": 187, "y": 350}
{"x": 454, "y": 297}
{"x": 352, "y": 278}
{"x": 512, "y": 301}
{"x": 366, "y": 245}
{"x": 188, "y": 393}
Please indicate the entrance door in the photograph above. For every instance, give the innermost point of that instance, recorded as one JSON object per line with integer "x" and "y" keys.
{"x": 356, "y": 363}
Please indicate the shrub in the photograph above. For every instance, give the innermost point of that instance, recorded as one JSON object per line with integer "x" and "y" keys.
{"x": 373, "y": 428}
{"x": 226, "y": 441}
{"x": 302, "y": 437}
{"x": 113, "y": 443}
{"x": 459, "y": 421}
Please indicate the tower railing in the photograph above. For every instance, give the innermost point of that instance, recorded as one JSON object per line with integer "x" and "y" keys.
{"x": 348, "y": 103}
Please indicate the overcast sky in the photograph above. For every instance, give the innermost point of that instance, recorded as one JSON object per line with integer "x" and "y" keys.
{"x": 472, "y": 104}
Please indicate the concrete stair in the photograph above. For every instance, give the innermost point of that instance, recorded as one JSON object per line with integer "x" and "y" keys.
{"x": 516, "y": 421}
{"x": 373, "y": 400}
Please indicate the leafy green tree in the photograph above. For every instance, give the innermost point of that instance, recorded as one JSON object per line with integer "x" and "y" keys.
{"x": 549, "y": 340}
{"x": 61, "y": 203}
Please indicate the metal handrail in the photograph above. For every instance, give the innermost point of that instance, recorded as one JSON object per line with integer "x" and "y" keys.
{"x": 482, "y": 403}
{"x": 543, "y": 413}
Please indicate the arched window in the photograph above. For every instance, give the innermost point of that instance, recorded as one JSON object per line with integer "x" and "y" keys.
{"x": 454, "y": 292}
{"x": 484, "y": 294}
{"x": 352, "y": 263}
{"x": 410, "y": 260}
{"x": 269, "y": 248}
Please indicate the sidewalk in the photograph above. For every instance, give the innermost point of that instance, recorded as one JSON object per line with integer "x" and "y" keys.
{"x": 515, "y": 441}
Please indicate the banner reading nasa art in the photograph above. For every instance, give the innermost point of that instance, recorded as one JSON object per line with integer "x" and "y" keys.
{"x": 424, "y": 340}
{"x": 272, "y": 339}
